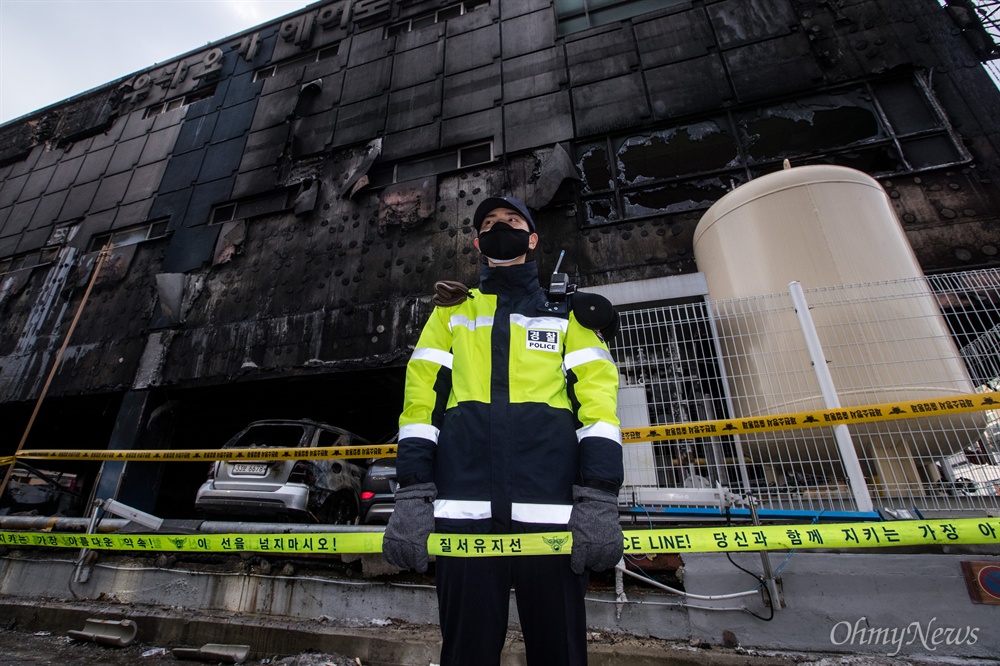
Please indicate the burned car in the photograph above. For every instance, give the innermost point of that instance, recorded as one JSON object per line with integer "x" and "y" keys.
{"x": 41, "y": 492}
{"x": 378, "y": 491}
{"x": 287, "y": 489}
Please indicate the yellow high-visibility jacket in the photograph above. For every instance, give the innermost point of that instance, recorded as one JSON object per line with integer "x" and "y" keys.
{"x": 507, "y": 405}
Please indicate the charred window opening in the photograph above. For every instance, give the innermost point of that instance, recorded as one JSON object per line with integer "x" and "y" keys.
{"x": 576, "y": 15}
{"x": 248, "y": 209}
{"x": 298, "y": 60}
{"x": 178, "y": 102}
{"x": 430, "y": 18}
{"x": 28, "y": 260}
{"x": 883, "y": 128}
{"x": 130, "y": 235}
{"x": 431, "y": 165}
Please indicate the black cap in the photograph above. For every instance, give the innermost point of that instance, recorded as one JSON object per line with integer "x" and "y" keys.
{"x": 510, "y": 203}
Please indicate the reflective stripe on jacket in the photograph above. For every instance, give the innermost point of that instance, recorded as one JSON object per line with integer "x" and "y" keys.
{"x": 507, "y": 406}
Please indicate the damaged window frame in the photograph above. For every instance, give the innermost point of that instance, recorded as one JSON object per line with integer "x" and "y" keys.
{"x": 900, "y": 145}
{"x": 19, "y": 262}
{"x": 433, "y": 18}
{"x": 138, "y": 233}
{"x": 300, "y": 59}
{"x": 252, "y": 208}
{"x": 583, "y": 16}
{"x": 178, "y": 102}
{"x": 382, "y": 175}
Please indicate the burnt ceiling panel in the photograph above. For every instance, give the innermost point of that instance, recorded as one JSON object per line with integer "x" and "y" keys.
{"x": 609, "y": 105}
{"x": 529, "y": 32}
{"x": 601, "y": 56}
{"x": 414, "y": 106}
{"x": 471, "y": 91}
{"x": 690, "y": 86}
{"x": 534, "y": 74}
{"x": 673, "y": 38}
{"x": 418, "y": 66}
{"x": 471, "y": 50}
{"x": 538, "y": 121}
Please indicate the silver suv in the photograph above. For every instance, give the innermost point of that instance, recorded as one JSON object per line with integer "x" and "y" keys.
{"x": 322, "y": 491}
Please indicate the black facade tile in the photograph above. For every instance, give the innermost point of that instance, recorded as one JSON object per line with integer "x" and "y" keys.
{"x": 111, "y": 191}
{"x": 145, "y": 181}
{"x": 37, "y": 183}
{"x": 126, "y": 155}
{"x": 414, "y": 39}
{"x": 673, "y": 38}
{"x": 94, "y": 165}
{"x": 254, "y": 181}
{"x": 182, "y": 171}
{"x": 111, "y": 137}
{"x": 20, "y": 216}
{"x": 10, "y": 189}
{"x": 32, "y": 239}
{"x": 273, "y": 110}
{"x": 288, "y": 76}
{"x": 691, "y": 86}
{"x": 195, "y": 133}
{"x": 538, "y": 121}
{"x": 26, "y": 165}
{"x": 79, "y": 200}
{"x": 529, "y": 32}
{"x": 242, "y": 89}
{"x": 190, "y": 248}
{"x": 775, "y": 67}
{"x": 136, "y": 125}
{"x": 312, "y": 134}
{"x": 361, "y": 121}
{"x": 417, "y": 66}
{"x": 164, "y": 120}
{"x": 609, "y": 105}
{"x": 132, "y": 214}
{"x": 479, "y": 126}
{"x": 512, "y": 9}
{"x": 159, "y": 145}
{"x": 172, "y": 205}
{"x": 78, "y": 149}
{"x": 471, "y": 50}
{"x": 601, "y": 56}
{"x": 538, "y": 73}
{"x": 66, "y": 173}
{"x": 206, "y": 106}
{"x": 367, "y": 46}
{"x": 264, "y": 148}
{"x": 48, "y": 158}
{"x": 412, "y": 141}
{"x": 221, "y": 160}
{"x": 8, "y": 242}
{"x": 48, "y": 210}
{"x": 471, "y": 91}
{"x": 325, "y": 68}
{"x": 740, "y": 22}
{"x": 233, "y": 121}
{"x": 481, "y": 17}
{"x": 205, "y": 196}
{"x": 366, "y": 81}
{"x": 413, "y": 107}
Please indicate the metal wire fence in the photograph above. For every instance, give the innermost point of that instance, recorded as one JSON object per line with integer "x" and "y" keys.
{"x": 905, "y": 340}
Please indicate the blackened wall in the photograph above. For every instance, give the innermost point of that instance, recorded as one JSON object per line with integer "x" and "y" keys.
{"x": 298, "y": 217}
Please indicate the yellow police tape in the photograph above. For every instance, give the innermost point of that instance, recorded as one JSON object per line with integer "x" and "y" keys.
{"x": 673, "y": 540}
{"x": 887, "y": 411}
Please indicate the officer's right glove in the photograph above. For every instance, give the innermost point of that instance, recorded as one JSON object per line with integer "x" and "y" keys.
{"x": 405, "y": 542}
{"x": 598, "y": 542}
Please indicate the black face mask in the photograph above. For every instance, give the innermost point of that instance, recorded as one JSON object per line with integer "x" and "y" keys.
{"x": 503, "y": 243}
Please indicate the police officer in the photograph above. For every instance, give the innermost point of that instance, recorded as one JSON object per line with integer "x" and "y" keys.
{"x": 509, "y": 426}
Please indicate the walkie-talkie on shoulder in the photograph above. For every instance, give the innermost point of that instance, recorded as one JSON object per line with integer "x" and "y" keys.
{"x": 559, "y": 286}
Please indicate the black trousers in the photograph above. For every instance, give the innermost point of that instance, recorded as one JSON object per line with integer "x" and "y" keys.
{"x": 474, "y": 600}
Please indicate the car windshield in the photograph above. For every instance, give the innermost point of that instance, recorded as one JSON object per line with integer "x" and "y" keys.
{"x": 285, "y": 436}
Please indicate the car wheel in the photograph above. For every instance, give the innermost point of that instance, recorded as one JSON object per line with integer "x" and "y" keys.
{"x": 340, "y": 508}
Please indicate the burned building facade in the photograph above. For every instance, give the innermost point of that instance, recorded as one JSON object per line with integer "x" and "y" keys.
{"x": 281, "y": 202}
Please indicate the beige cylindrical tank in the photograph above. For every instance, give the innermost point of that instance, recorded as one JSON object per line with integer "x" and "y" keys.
{"x": 826, "y": 226}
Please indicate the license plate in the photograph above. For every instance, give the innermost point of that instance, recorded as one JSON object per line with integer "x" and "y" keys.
{"x": 244, "y": 468}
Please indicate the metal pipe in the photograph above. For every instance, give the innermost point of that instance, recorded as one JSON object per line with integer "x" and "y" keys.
{"x": 848, "y": 455}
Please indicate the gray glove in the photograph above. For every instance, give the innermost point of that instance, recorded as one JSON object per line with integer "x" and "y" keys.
{"x": 597, "y": 534}
{"x": 405, "y": 542}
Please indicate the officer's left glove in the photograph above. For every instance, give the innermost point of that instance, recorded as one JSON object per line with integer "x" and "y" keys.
{"x": 405, "y": 541}
{"x": 597, "y": 534}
